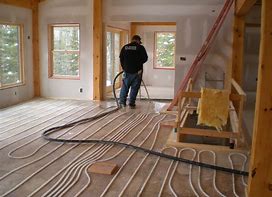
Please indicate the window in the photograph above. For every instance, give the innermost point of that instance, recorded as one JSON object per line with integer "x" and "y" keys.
{"x": 11, "y": 64}
{"x": 64, "y": 51}
{"x": 165, "y": 50}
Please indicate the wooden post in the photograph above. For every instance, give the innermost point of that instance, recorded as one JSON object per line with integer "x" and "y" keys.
{"x": 35, "y": 47}
{"x": 133, "y": 29}
{"x": 97, "y": 51}
{"x": 238, "y": 49}
{"x": 260, "y": 179}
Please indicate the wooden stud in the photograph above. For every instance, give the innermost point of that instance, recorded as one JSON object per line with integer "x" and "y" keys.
{"x": 243, "y": 6}
{"x": 172, "y": 142}
{"x": 18, "y": 3}
{"x": 97, "y": 51}
{"x": 260, "y": 179}
{"x": 238, "y": 49}
{"x": 35, "y": 47}
{"x": 208, "y": 133}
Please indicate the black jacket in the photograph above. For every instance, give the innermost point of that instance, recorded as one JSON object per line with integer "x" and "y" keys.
{"x": 132, "y": 57}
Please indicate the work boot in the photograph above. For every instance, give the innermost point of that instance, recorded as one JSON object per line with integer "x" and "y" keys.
{"x": 132, "y": 105}
{"x": 122, "y": 105}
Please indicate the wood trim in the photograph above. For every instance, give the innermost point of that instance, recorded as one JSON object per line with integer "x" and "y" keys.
{"x": 51, "y": 51}
{"x": 242, "y": 7}
{"x": 238, "y": 49}
{"x": 21, "y": 57}
{"x": 19, "y": 3}
{"x": 97, "y": 50}
{"x": 260, "y": 179}
{"x": 154, "y": 23}
{"x": 36, "y": 48}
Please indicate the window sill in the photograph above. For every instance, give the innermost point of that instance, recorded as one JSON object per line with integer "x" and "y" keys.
{"x": 12, "y": 86}
{"x": 65, "y": 77}
{"x": 164, "y": 68}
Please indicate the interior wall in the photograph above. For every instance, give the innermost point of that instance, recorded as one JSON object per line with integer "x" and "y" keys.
{"x": 194, "y": 19}
{"x": 192, "y": 33}
{"x": 68, "y": 11}
{"x": 152, "y": 76}
{"x": 25, "y": 92}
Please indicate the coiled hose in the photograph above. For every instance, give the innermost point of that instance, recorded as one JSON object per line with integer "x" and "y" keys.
{"x": 46, "y": 136}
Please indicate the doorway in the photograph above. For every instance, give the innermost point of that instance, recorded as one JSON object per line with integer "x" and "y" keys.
{"x": 115, "y": 39}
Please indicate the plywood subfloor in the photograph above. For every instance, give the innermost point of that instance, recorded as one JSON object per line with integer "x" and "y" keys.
{"x": 30, "y": 166}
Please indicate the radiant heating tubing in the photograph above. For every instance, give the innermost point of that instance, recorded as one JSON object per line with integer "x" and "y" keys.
{"x": 46, "y": 135}
{"x": 123, "y": 148}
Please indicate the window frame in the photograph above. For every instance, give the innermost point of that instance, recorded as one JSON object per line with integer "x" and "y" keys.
{"x": 123, "y": 33}
{"x": 21, "y": 57}
{"x": 51, "y": 51}
{"x": 155, "y": 66}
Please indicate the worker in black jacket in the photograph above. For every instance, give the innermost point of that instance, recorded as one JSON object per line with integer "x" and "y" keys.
{"x": 132, "y": 58}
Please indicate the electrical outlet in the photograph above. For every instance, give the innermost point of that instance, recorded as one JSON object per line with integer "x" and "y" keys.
{"x": 80, "y": 90}
{"x": 183, "y": 58}
{"x": 15, "y": 93}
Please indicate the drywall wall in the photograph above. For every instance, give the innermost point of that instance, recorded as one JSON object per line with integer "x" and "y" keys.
{"x": 193, "y": 31}
{"x": 11, "y": 14}
{"x": 68, "y": 11}
{"x": 155, "y": 77}
{"x": 194, "y": 19}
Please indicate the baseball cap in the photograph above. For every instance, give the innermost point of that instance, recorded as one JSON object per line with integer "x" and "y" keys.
{"x": 137, "y": 37}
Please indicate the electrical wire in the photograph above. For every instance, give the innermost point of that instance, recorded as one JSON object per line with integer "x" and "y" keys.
{"x": 46, "y": 136}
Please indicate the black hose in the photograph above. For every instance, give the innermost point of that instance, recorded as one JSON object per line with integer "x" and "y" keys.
{"x": 46, "y": 136}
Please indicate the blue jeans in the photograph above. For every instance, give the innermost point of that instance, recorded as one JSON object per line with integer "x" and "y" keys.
{"x": 132, "y": 82}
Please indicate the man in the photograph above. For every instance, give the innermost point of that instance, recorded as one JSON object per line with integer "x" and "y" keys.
{"x": 132, "y": 58}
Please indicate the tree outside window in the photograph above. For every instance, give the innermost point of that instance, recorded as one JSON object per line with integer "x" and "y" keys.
{"x": 65, "y": 44}
{"x": 11, "y": 65}
{"x": 165, "y": 50}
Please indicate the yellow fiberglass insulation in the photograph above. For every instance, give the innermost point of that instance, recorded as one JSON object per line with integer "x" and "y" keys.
{"x": 213, "y": 108}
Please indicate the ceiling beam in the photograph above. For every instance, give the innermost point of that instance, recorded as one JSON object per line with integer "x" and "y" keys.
{"x": 18, "y": 3}
{"x": 243, "y": 6}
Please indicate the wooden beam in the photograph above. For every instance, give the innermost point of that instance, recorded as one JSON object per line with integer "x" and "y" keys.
{"x": 133, "y": 29}
{"x": 18, "y": 3}
{"x": 35, "y": 47}
{"x": 233, "y": 97}
{"x": 97, "y": 51}
{"x": 134, "y": 25}
{"x": 238, "y": 49}
{"x": 208, "y": 133}
{"x": 260, "y": 179}
{"x": 243, "y": 6}
{"x": 154, "y": 23}
{"x": 238, "y": 88}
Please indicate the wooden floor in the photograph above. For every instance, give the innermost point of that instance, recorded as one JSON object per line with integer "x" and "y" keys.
{"x": 31, "y": 166}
